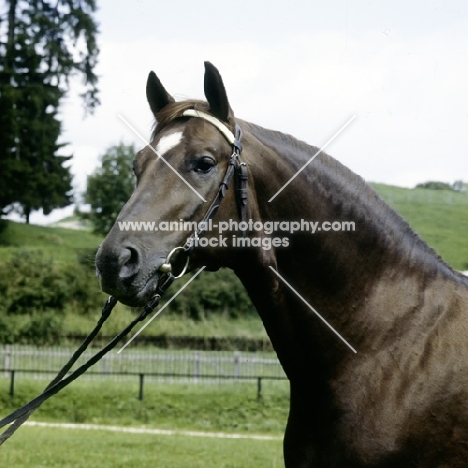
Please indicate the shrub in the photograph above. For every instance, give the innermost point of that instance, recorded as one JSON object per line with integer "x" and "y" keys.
{"x": 43, "y": 328}
{"x": 435, "y": 185}
{"x": 84, "y": 294}
{"x": 29, "y": 281}
{"x": 215, "y": 293}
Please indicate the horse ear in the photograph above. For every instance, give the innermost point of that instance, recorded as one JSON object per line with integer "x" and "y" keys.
{"x": 157, "y": 96}
{"x": 215, "y": 93}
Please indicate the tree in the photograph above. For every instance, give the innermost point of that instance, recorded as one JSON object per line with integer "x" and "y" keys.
{"x": 42, "y": 44}
{"x": 110, "y": 187}
{"x": 434, "y": 185}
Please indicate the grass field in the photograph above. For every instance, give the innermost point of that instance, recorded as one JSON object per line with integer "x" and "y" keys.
{"x": 440, "y": 217}
{"x": 34, "y": 447}
{"x": 226, "y": 407}
{"x": 231, "y": 408}
{"x": 61, "y": 244}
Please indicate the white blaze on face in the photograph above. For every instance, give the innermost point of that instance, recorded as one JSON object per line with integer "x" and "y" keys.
{"x": 168, "y": 142}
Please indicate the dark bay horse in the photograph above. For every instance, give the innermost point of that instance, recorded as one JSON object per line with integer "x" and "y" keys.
{"x": 402, "y": 399}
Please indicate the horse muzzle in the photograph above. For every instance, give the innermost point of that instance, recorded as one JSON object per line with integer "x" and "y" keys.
{"x": 123, "y": 274}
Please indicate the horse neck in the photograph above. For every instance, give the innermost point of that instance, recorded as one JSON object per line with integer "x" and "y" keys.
{"x": 336, "y": 272}
{"x": 327, "y": 191}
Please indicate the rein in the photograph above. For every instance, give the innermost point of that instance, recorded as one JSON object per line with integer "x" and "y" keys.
{"x": 235, "y": 167}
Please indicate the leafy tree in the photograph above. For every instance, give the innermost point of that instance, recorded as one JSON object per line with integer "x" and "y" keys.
{"x": 434, "y": 185}
{"x": 110, "y": 187}
{"x": 42, "y": 44}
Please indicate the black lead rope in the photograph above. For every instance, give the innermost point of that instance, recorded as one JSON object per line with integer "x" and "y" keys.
{"x": 21, "y": 415}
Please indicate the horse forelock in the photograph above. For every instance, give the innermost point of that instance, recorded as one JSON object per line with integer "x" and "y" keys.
{"x": 174, "y": 111}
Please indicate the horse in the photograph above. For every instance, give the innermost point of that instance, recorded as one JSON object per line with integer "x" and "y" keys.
{"x": 400, "y": 400}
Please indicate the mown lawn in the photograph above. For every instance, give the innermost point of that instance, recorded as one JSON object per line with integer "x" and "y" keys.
{"x": 226, "y": 408}
{"x": 37, "y": 447}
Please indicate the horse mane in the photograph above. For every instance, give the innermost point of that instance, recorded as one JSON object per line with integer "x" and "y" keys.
{"x": 299, "y": 152}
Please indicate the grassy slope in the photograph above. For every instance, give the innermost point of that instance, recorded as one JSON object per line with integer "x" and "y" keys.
{"x": 63, "y": 245}
{"x": 440, "y": 217}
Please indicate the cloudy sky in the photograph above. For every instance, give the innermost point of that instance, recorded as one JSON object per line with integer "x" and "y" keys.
{"x": 304, "y": 68}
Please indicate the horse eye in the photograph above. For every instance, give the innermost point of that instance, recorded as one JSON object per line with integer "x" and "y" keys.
{"x": 204, "y": 164}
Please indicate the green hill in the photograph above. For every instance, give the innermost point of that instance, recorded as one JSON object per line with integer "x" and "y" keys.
{"x": 440, "y": 217}
{"x": 63, "y": 245}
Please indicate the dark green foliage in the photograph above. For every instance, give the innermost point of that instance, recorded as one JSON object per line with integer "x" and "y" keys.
{"x": 43, "y": 328}
{"x": 29, "y": 282}
{"x": 35, "y": 291}
{"x": 83, "y": 291}
{"x": 42, "y": 44}
{"x": 219, "y": 293}
{"x": 110, "y": 187}
{"x": 33, "y": 297}
{"x": 8, "y": 333}
{"x": 434, "y": 185}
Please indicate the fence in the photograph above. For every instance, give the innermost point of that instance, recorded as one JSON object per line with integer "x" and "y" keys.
{"x": 201, "y": 367}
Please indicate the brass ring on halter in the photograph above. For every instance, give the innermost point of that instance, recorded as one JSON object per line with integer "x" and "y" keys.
{"x": 167, "y": 267}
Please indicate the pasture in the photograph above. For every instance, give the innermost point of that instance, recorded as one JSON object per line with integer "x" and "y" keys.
{"x": 39, "y": 447}
{"x": 214, "y": 408}
{"x": 227, "y": 408}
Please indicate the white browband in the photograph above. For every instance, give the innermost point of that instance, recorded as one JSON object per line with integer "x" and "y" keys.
{"x": 213, "y": 120}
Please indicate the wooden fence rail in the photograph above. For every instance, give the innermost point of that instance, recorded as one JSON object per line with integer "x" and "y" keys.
{"x": 13, "y": 374}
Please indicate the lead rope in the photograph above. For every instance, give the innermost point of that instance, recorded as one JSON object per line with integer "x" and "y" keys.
{"x": 21, "y": 415}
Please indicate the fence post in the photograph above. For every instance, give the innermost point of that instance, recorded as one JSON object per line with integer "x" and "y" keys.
{"x": 196, "y": 365}
{"x": 12, "y": 383}
{"x": 259, "y": 388}
{"x": 236, "y": 365}
{"x": 104, "y": 366}
{"x": 7, "y": 365}
{"x": 140, "y": 391}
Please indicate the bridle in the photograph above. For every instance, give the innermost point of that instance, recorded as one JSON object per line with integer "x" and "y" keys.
{"x": 235, "y": 168}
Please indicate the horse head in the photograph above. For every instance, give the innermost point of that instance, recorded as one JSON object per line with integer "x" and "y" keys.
{"x": 178, "y": 175}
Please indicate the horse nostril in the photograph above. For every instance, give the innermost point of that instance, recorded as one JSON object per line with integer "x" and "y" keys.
{"x": 129, "y": 262}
